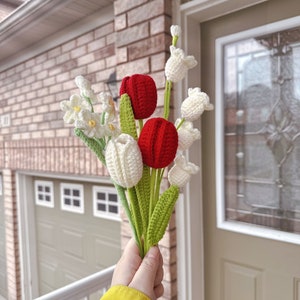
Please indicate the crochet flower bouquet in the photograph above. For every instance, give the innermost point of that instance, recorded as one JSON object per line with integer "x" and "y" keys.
{"x": 138, "y": 149}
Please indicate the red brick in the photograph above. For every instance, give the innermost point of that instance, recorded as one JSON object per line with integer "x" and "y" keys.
{"x": 96, "y": 44}
{"x": 104, "y": 30}
{"x": 141, "y": 66}
{"x": 132, "y": 34}
{"x": 147, "y": 47}
{"x": 145, "y": 12}
{"x": 84, "y": 39}
{"x": 160, "y": 24}
{"x": 122, "y": 6}
{"x": 120, "y": 22}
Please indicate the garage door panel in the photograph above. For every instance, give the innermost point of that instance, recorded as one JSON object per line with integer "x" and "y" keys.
{"x": 73, "y": 244}
{"x": 46, "y": 234}
{"x": 50, "y": 274}
{"x": 106, "y": 251}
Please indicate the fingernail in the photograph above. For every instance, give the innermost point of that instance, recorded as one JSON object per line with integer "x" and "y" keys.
{"x": 153, "y": 252}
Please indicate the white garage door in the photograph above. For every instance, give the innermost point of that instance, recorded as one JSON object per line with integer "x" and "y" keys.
{"x": 77, "y": 230}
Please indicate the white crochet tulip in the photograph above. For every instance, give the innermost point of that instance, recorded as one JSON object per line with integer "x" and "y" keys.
{"x": 181, "y": 172}
{"x": 124, "y": 160}
{"x": 193, "y": 106}
{"x": 178, "y": 64}
{"x": 187, "y": 134}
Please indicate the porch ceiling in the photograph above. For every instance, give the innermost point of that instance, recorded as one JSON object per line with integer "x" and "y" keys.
{"x": 36, "y": 20}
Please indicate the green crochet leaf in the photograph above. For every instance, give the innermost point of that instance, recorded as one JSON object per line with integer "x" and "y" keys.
{"x": 161, "y": 215}
{"x": 143, "y": 194}
{"x": 127, "y": 121}
{"x": 92, "y": 144}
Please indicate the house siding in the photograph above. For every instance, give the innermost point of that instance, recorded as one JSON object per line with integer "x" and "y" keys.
{"x": 37, "y": 140}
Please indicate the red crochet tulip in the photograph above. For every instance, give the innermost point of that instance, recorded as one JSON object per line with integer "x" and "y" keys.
{"x": 143, "y": 94}
{"x": 158, "y": 143}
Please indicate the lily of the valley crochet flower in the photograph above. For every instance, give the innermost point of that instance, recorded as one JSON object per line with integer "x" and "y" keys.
{"x": 137, "y": 150}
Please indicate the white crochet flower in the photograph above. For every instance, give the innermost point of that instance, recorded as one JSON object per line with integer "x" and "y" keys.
{"x": 187, "y": 134}
{"x": 193, "y": 106}
{"x": 108, "y": 106}
{"x": 124, "y": 160}
{"x": 85, "y": 88}
{"x": 90, "y": 124}
{"x": 178, "y": 64}
{"x": 181, "y": 172}
{"x": 175, "y": 30}
{"x": 111, "y": 129}
{"x": 73, "y": 107}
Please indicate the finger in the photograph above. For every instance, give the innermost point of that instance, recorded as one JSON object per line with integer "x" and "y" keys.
{"x": 160, "y": 272}
{"x": 127, "y": 265}
{"x": 145, "y": 276}
{"x": 159, "y": 290}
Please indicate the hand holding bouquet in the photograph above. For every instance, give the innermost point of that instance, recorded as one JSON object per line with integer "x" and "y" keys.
{"x": 137, "y": 150}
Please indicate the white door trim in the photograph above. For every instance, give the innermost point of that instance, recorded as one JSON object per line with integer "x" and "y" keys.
{"x": 190, "y": 241}
{"x": 27, "y": 237}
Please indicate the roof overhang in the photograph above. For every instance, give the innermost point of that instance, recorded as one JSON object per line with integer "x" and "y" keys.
{"x": 37, "y": 21}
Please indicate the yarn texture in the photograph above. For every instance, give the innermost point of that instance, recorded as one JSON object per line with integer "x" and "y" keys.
{"x": 158, "y": 142}
{"x": 143, "y": 94}
{"x": 124, "y": 160}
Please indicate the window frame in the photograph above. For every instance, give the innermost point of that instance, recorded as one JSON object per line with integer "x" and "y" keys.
{"x": 105, "y": 214}
{"x": 44, "y": 183}
{"x": 72, "y": 208}
{"x": 222, "y": 222}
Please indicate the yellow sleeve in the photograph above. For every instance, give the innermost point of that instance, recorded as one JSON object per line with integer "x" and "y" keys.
{"x": 122, "y": 292}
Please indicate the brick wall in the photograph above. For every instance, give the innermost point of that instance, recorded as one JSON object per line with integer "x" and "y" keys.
{"x": 137, "y": 41}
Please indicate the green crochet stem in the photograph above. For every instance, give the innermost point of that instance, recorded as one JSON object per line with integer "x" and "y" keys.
{"x": 124, "y": 202}
{"x": 180, "y": 123}
{"x": 137, "y": 218}
{"x": 167, "y": 97}
{"x": 89, "y": 101}
{"x": 174, "y": 40}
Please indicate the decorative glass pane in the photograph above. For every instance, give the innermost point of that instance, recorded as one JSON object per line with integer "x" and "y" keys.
{"x": 261, "y": 94}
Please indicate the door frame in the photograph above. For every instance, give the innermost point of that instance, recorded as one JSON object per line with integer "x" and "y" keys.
{"x": 189, "y": 221}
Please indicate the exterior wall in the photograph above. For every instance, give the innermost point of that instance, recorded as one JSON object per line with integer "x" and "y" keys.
{"x": 137, "y": 41}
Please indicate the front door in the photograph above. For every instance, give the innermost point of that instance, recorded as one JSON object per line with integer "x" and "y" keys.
{"x": 251, "y": 188}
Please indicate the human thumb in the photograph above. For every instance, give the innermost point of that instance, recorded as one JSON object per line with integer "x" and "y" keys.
{"x": 144, "y": 278}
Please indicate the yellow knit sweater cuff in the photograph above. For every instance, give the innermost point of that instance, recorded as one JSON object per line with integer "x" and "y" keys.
{"x": 121, "y": 292}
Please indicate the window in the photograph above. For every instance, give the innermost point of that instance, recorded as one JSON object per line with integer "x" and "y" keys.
{"x": 106, "y": 202}
{"x": 44, "y": 193}
{"x": 258, "y": 101}
{"x": 72, "y": 197}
